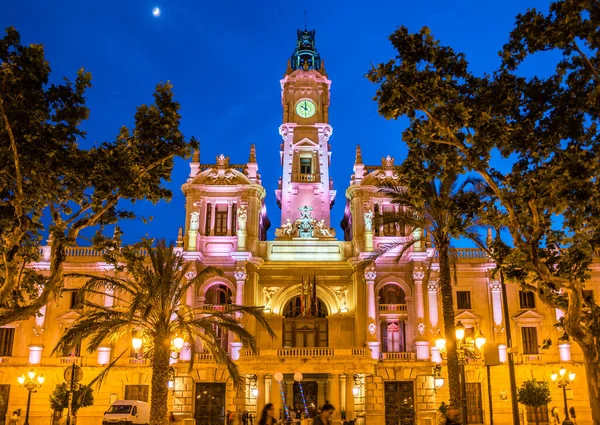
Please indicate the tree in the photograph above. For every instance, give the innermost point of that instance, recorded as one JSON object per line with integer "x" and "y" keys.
{"x": 150, "y": 299}
{"x": 83, "y": 397}
{"x": 51, "y": 185}
{"x": 534, "y": 394}
{"x": 545, "y": 131}
{"x": 445, "y": 209}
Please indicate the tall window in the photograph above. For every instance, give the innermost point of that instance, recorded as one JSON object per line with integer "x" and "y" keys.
{"x": 463, "y": 300}
{"x": 305, "y": 165}
{"x": 393, "y": 337}
{"x": 75, "y": 299}
{"x": 218, "y": 295}
{"x": 7, "y": 338}
{"x": 221, "y": 220}
{"x": 391, "y": 294}
{"x": 526, "y": 299}
{"x": 208, "y": 218}
{"x": 233, "y": 219}
{"x": 530, "y": 341}
{"x": 389, "y": 229}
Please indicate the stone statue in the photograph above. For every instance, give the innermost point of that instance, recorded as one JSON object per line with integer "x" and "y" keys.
{"x": 242, "y": 217}
{"x": 368, "y": 221}
{"x": 194, "y": 221}
{"x": 323, "y": 230}
{"x": 288, "y": 228}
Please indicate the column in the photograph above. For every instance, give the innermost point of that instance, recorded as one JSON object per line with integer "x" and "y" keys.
{"x": 190, "y": 294}
{"x": 421, "y": 342}
{"x": 432, "y": 289}
{"x": 343, "y": 392}
{"x": 268, "y": 383}
{"x": 109, "y": 296}
{"x": 372, "y": 341}
{"x": 240, "y": 278}
{"x": 496, "y": 302}
{"x": 334, "y": 391}
{"x": 229, "y": 203}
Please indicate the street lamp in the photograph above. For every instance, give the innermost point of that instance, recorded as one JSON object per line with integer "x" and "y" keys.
{"x": 562, "y": 381}
{"x": 176, "y": 347}
{"x": 31, "y": 386}
{"x": 438, "y": 380}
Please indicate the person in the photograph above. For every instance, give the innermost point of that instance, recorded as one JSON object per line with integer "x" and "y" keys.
{"x": 452, "y": 416}
{"x": 14, "y": 419}
{"x": 267, "y": 416}
{"x": 325, "y": 416}
{"x": 230, "y": 417}
{"x": 245, "y": 417}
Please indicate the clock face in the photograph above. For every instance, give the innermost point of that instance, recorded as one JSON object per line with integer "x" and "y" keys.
{"x": 305, "y": 108}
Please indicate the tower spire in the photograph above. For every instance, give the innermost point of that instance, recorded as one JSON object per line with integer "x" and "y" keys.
{"x": 305, "y": 56}
{"x": 358, "y": 157}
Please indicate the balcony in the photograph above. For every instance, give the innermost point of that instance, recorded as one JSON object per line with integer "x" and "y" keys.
{"x": 400, "y": 356}
{"x": 70, "y": 360}
{"x": 306, "y": 178}
{"x": 393, "y": 310}
{"x": 314, "y": 352}
{"x": 138, "y": 361}
{"x": 215, "y": 308}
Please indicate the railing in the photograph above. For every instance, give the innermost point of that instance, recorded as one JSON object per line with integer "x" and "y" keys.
{"x": 69, "y": 360}
{"x": 204, "y": 357}
{"x": 371, "y": 168}
{"x": 403, "y": 356}
{"x": 393, "y": 308}
{"x": 88, "y": 251}
{"x": 306, "y": 178}
{"x": 532, "y": 358}
{"x": 305, "y": 352}
{"x": 221, "y": 308}
{"x": 239, "y": 167}
{"x": 137, "y": 361}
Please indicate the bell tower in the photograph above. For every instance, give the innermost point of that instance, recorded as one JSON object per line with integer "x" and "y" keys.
{"x": 305, "y": 150}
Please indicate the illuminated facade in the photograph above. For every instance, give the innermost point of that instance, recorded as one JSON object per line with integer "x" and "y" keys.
{"x": 363, "y": 340}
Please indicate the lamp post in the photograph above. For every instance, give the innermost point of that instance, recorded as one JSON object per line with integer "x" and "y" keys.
{"x": 438, "y": 380}
{"x": 31, "y": 386}
{"x": 562, "y": 379}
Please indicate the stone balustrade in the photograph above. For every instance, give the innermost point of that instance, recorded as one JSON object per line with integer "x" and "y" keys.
{"x": 393, "y": 308}
{"x": 398, "y": 356}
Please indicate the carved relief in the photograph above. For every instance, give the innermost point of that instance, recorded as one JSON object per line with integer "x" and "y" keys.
{"x": 495, "y": 285}
{"x": 194, "y": 221}
{"x": 370, "y": 274}
{"x": 368, "y": 217}
{"x": 190, "y": 275}
{"x": 341, "y": 292}
{"x": 433, "y": 286}
{"x": 269, "y": 292}
{"x": 418, "y": 275}
{"x": 240, "y": 274}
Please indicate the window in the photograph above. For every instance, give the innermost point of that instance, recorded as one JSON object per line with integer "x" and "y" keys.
{"x": 393, "y": 337}
{"x": 7, "y": 338}
{"x": 389, "y": 229}
{"x": 463, "y": 300}
{"x": 221, "y": 220}
{"x": 526, "y": 299}
{"x": 136, "y": 392}
{"x": 72, "y": 352}
{"x": 74, "y": 298}
{"x": 134, "y": 411}
{"x": 207, "y": 224}
{"x": 537, "y": 415}
{"x": 474, "y": 403}
{"x": 530, "y": 341}
{"x": 305, "y": 165}
{"x": 376, "y": 220}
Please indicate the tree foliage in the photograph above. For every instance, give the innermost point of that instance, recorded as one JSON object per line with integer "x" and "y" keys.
{"x": 83, "y": 397}
{"x": 544, "y": 130}
{"x": 47, "y": 174}
{"x": 534, "y": 393}
{"x": 442, "y": 208}
{"x": 149, "y": 298}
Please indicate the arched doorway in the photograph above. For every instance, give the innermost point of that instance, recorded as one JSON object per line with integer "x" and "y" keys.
{"x": 392, "y": 315}
{"x": 217, "y": 298}
{"x": 304, "y": 326}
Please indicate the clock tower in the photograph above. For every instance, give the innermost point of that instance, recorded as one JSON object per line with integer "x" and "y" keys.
{"x": 305, "y": 150}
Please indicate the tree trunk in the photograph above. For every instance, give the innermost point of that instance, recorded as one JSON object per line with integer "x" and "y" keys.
{"x": 160, "y": 378}
{"x": 591, "y": 361}
{"x": 448, "y": 314}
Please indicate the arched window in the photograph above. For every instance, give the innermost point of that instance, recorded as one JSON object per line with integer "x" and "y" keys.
{"x": 305, "y": 323}
{"x": 218, "y": 295}
{"x": 391, "y": 294}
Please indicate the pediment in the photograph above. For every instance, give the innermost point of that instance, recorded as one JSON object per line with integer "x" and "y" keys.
{"x": 528, "y": 316}
{"x": 221, "y": 176}
{"x": 306, "y": 143}
{"x": 467, "y": 317}
{"x": 68, "y": 317}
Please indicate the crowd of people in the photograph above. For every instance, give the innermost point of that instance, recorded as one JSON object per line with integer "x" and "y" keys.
{"x": 268, "y": 416}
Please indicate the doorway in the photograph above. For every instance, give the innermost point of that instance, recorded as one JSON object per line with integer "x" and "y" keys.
{"x": 210, "y": 403}
{"x": 399, "y": 403}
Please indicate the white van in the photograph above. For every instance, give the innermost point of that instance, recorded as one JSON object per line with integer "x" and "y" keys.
{"x": 127, "y": 412}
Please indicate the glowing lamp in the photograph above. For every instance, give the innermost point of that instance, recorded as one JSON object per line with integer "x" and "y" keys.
{"x": 254, "y": 391}
{"x": 572, "y": 376}
{"x": 298, "y": 376}
{"x": 170, "y": 384}
{"x": 562, "y": 372}
{"x": 21, "y": 379}
{"x": 41, "y": 379}
{"x": 278, "y": 376}
{"x": 136, "y": 343}
{"x": 480, "y": 340}
{"x": 554, "y": 376}
{"x": 459, "y": 329}
{"x": 440, "y": 343}
{"x": 31, "y": 374}
{"x": 178, "y": 343}
{"x": 438, "y": 382}
{"x": 356, "y": 391}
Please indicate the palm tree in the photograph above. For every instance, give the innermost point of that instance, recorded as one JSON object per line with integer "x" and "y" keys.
{"x": 444, "y": 210}
{"x": 150, "y": 299}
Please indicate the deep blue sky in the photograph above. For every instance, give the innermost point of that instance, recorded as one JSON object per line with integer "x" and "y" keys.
{"x": 225, "y": 60}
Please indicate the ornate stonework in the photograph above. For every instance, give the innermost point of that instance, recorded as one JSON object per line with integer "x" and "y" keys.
{"x": 370, "y": 274}
{"x": 433, "y": 286}
{"x": 495, "y": 285}
{"x": 418, "y": 275}
{"x": 240, "y": 274}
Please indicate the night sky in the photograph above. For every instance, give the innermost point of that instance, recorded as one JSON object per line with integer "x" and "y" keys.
{"x": 225, "y": 60}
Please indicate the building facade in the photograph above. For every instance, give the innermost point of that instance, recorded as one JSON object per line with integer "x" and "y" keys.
{"x": 363, "y": 339}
